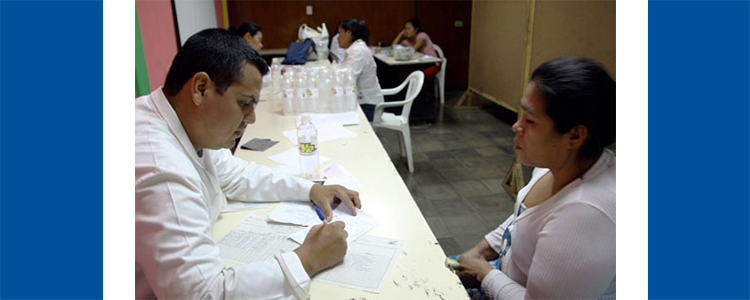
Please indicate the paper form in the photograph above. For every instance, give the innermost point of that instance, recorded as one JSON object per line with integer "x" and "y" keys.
{"x": 255, "y": 240}
{"x": 298, "y": 213}
{"x": 290, "y": 160}
{"x": 326, "y": 132}
{"x": 239, "y": 206}
{"x": 356, "y": 226}
{"x": 366, "y": 265}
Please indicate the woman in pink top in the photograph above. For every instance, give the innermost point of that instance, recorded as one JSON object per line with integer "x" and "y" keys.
{"x": 413, "y": 36}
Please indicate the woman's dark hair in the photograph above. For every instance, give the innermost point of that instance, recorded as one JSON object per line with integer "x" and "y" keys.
{"x": 415, "y": 23}
{"x": 246, "y": 27}
{"x": 358, "y": 28}
{"x": 578, "y": 91}
{"x": 218, "y": 53}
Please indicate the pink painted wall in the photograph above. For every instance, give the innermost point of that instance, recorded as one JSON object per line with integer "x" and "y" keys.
{"x": 159, "y": 38}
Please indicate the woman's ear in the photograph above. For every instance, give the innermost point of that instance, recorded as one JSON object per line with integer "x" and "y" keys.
{"x": 199, "y": 84}
{"x": 577, "y": 136}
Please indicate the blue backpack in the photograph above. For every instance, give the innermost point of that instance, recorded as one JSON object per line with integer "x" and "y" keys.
{"x": 298, "y": 53}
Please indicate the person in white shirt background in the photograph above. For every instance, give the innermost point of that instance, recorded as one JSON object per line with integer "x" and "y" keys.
{"x": 184, "y": 176}
{"x": 560, "y": 241}
{"x": 353, "y": 36}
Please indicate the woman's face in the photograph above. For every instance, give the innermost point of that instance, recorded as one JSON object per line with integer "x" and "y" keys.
{"x": 409, "y": 30}
{"x": 345, "y": 38}
{"x": 537, "y": 143}
{"x": 255, "y": 41}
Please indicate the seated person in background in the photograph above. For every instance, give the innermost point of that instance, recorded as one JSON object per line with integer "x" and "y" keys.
{"x": 251, "y": 33}
{"x": 560, "y": 241}
{"x": 337, "y": 53}
{"x": 353, "y": 36}
{"x": 183, "y": 178}
{"x": 413, "y": 36}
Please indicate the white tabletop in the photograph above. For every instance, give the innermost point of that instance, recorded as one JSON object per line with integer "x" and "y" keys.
{"x": 419, "y": 272}
{"x": 418, "y": 59}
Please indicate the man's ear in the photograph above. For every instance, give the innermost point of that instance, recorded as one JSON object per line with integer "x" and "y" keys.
{"x": 577, "y": 136}
{"x": 199, "y": 84}
{"x": 247, "y": 37}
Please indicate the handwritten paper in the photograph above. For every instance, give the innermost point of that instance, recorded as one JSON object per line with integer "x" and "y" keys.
{"x": 255, "y": 240}
{"x": 366, "y": 265}
{"x": 356, "y": 226}
{"x": 298, "y": 213}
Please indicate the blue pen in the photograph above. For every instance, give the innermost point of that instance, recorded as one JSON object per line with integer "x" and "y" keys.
{"x": 320, "y": 214}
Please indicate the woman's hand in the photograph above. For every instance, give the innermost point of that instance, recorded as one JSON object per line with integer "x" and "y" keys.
{"x": 472, "y": 269}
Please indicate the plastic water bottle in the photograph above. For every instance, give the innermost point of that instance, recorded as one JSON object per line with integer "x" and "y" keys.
{"x": 289, "y": 92}
{"x": 313, "y": 91}
{"x": 307, "y": 139}
{"x": 338, "y": 91}
{"x": 350, "y": 104}
{"x": 324, "y": 85}
{"x": 276, "y": 78}
{"x": 301, "y": 85}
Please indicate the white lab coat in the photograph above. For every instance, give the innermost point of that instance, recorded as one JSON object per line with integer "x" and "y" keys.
{"x": 179, "y": 196}
{"x": 360, "y": 60}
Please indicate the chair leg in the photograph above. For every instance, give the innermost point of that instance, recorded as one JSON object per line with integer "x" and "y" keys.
{"x": 442, "y": 92}
{"x": 401, "y": 144}
{"x": 407, "y": 143}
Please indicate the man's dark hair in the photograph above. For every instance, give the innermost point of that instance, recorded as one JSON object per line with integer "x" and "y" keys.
{"x": 217, "y": 52}
{"x": 415, "y": 23}
{"x": 358, "y": 28}
{"x": 578, "y": 91}
{"x": 246, "y": 27}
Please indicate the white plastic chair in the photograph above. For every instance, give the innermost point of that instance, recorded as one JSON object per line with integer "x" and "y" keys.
{"x": 441, "y": 77}
{"x": 400, "y": 122}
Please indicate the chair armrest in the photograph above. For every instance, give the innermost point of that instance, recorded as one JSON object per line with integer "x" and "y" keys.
{"x": 393, "y": 91}
{"x": 379, "y": 109}
{"x": 388, "y": 92}
{"x": 390, "y": 104}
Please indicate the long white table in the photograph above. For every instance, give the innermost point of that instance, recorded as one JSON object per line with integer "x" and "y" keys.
{"x": 418, "y": 272}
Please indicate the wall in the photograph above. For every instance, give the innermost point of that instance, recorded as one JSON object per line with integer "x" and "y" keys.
{"x": 503, "y": 55}
{"x": 159, "y": 38}
{"x": 194, "y": 16}
{"x": 280, "y": 21}
{"x": 589, "y": 30}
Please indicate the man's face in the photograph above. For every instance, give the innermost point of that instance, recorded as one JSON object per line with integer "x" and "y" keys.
{"x": 225, "y": 117}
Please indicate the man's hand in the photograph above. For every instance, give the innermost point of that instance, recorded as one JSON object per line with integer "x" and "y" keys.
{"x": 325, "y": 195}
{"x": 324, "y": 246}
{"x": 472, "y": 268}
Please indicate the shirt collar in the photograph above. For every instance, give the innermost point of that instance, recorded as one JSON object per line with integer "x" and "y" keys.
{"x": 166, "y": 112}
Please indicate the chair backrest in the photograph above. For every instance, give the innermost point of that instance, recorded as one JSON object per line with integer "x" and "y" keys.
{"x": 415, "y": 81}
{"x": 441, "y": 56}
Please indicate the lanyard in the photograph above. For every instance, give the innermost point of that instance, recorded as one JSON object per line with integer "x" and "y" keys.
{"x": 505, "y": 245}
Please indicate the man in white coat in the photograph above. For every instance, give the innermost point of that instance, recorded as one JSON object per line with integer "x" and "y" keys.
{"x": 184, "y": 176}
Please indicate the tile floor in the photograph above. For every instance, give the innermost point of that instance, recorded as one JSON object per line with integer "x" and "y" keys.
{"x": 459, "y": 163}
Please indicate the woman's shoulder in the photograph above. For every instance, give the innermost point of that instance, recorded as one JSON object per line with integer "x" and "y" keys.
{"x": 423, "y": 35}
